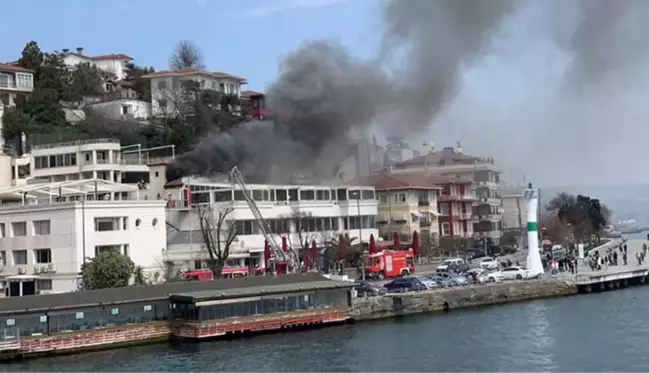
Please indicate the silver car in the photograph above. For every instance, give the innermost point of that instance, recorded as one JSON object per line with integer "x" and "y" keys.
{"x": 428, "y": 282}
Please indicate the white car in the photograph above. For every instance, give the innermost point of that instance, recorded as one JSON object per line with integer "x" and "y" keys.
{"x": 512, "y": 273}
{"x": 489, "y": 263}
{"x": 477, "y": 275}
{"x": 449, "y": 262}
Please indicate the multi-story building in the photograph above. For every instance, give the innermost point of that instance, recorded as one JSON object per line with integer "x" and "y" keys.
{"x": 166, "y": 92}
{"x": 14, "y": 81}
{"x": 515, "y": 215}
{"x": 114, "y": 64}
{"x": 48, "y": 230}
{"x": 438, "y": 207}
{"x": 300, "y": 213}
{"x": 482, "y": 172}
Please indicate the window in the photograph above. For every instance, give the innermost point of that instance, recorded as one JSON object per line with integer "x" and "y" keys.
{"x": 124, "y": 109}
{"x": 154, "y": 222}
{"x": 45, "y": 284}
{"x": 2, "y": 230}
{"x": 20, "y": 257}
{"x": 383, "y": 199}
{"x": 138, "y": 222}
{"x": 41, "y": 227}
{"x": 108, "y": 248}
{"x": 221, "y": 87}
{"x": 400, "y": 198}
{"x": 446, "y": 229}
{"x": 3, "y": 257}
{"x": 19, "y": 229}
{"x": 157, "y": 174}
{"x": 443, "y": 208}
{"x": 43, "y": 256}
{"x": 162, "y": 85}
{"x": 162, "y": 103}
{"x": 24, "y": 80}
{"x": 125, "y": 223}
{"x": 106, "y": 224}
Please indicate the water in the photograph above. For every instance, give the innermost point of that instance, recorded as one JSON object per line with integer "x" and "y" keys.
{"x": 598, "y": 332}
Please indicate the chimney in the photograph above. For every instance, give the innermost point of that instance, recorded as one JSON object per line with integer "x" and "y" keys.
{"x": 447, "y": 155}
{"x": 80, "y": 50}
{"x": 66, "y": 50}
{"x": 458, "y": 147}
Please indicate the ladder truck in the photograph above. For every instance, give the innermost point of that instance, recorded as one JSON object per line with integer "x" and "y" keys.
{"x": 282, "y": 262}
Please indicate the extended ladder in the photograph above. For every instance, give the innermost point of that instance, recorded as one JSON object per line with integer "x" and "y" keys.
{"x": 263, "y": 224}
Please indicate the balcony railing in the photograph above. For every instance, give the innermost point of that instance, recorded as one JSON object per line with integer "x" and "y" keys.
{"x": 76, "y": 143}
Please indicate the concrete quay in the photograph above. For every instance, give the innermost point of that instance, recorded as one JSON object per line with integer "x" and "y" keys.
{"x": 393, "y": 305}
{"x": 614, "y": 277}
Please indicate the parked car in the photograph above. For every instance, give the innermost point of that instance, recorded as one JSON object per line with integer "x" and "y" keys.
{"x": 428, "y": 282}
{"x": 496, "y": 276}
{"x": 441, "y": 281}
{"x": 457, "y": 279}
{"x": 514, "y": 273}
{"x": 368, "y": 289}
{"x": 403, "y": 284}
{"x": 476, "y": 275}
{"x": 455, "y": 265}
{"x": 489, "y": 263}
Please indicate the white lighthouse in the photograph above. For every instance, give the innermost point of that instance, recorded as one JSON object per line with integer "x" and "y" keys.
{"x": 534, "y": 264}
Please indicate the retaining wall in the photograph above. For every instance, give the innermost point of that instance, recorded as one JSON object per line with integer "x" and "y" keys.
{"x": 457, "y": 298}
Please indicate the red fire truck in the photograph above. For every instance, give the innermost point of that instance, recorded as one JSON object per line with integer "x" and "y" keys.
{"x": 390, "y": 264}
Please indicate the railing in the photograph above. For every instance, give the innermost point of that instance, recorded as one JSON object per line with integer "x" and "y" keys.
{"x": 76, "y": 143}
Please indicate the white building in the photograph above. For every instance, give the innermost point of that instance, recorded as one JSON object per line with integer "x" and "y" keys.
{"x": 165, "y": 86}
{"x": 14, "y": 80}
{"x": 123, "y": 109}
{"x": 325, "y": 212}
{"x": 51, "y": 229}
{"x": 114, "y": 63}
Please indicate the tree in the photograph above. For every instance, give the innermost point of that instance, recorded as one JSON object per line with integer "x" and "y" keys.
{"x": 31, "y": 56}
{"x": 218, "y": 234}
{"x": 140, "y": 85}
{"x": 555, "y": 229}
{"x": 138, "y": 276}
{"x": 107, "y": 270}
{"x": 85, "y": 80}
{"x": 186, "y": 54}
{"x": 352, "y": 252}
{"x": 585, "y": 216}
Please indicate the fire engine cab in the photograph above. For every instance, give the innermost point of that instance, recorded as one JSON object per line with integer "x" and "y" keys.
{"x": 390, "y": 264}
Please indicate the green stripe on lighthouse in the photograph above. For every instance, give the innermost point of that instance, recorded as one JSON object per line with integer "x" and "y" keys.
{"x": 532, "y": 226}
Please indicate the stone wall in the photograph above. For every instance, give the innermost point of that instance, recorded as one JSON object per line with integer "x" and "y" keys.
{"x": 457, "y": 298}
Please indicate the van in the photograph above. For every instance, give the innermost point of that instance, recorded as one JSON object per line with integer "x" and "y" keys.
{"x": 452, "y": 264}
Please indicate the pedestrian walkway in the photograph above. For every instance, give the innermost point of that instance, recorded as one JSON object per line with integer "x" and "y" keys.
{"x": 633, "y": 247}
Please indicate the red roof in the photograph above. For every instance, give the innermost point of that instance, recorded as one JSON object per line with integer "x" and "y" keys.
{"x": 14, "y": 68}
{"x": 418, "y": 180}
{"x": 112, "y": 56}
{"x": 193, "y": 71}
{"x": 249, "y": 93}
{"x": 174, "y": 183}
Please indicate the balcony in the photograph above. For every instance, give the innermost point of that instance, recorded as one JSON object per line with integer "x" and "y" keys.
{"x": 489, "y": 200}
{"x": 456, "y": 197}
{"x": 75, "y": 143}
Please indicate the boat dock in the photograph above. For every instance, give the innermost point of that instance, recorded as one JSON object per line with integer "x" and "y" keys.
{"x": 615, "y": 277}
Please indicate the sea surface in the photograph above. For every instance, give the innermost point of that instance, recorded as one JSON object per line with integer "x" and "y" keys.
{"x": 597, "y": 332}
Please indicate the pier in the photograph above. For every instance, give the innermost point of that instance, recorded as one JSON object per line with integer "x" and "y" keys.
{"x": 614, "y": 277}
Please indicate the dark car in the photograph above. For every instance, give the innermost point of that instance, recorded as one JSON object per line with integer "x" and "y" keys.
{"x": 368, "y": 289}
{"x": 403, "y": 284}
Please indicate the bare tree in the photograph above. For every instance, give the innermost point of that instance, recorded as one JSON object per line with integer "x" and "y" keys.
{"x": 218, "y": 234}
{"x": 186, "y": 54}
{"x": 556, "y": 229}
{"x": 305, "y": 230}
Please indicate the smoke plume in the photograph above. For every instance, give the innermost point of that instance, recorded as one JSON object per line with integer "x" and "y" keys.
{"x": 324, "y": 96}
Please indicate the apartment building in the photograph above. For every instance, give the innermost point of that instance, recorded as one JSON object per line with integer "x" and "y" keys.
{"x": 515, "y": 214}
{"x": 438, "y": 207}
{"x": 14, "y": 81}
{"x": 484, "y": 175}
{"x": 166, "y": 93}
{"x": 47, "y": 232}
{"x": 301, "y": 212}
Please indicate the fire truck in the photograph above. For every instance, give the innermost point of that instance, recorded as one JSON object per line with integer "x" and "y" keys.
{"x": 390, "y": 264}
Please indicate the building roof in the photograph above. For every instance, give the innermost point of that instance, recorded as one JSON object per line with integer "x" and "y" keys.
{"x": 197, "y": 296}
{"x": 190, "y": 71}
{"x": 226, "y": 185}
{"x": 250, "y": 93}
{"x": 112, "y": 56}
{"x": 415, "y": 180}
{"x": 132, "y": 294}
{"x": 72, "y": 187}
{"x": 14, "y": 68}
{"x": 441, "y": 157}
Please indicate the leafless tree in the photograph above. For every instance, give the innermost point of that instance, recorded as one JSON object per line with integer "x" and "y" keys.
{"x": 218, "y": 233}
{"x": 186, "y": 54}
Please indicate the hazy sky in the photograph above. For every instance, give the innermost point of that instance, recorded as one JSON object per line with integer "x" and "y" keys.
{"x": 525, "y": 100}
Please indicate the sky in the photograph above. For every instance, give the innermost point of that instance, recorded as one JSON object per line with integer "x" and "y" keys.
{"x": 242, "y": 37}
{"x": 511, "y": 103}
